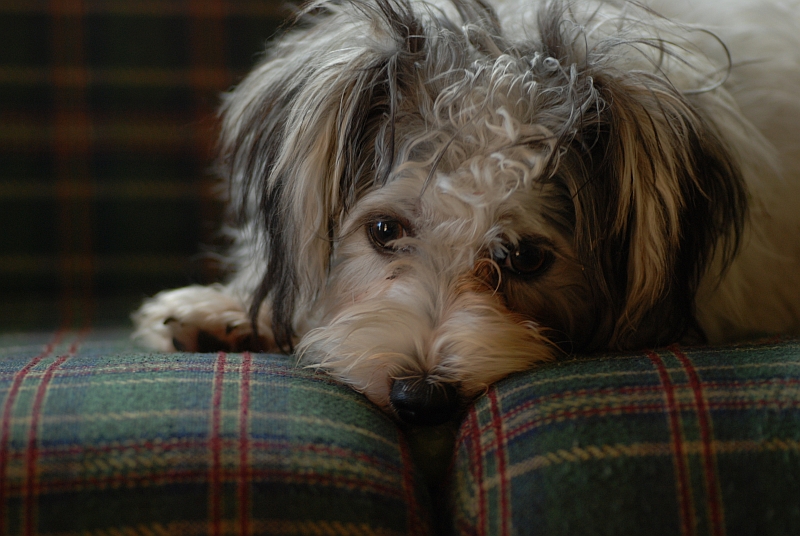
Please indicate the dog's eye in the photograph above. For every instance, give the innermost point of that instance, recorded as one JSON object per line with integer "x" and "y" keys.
{"x": 529, "y": 258}
{"x": 384, "y": 231}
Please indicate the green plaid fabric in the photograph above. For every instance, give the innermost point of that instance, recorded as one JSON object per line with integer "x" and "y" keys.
{"x": 99, "y": 438}
{"x": 676, "y": 442}
{"x": 107, "y": 128}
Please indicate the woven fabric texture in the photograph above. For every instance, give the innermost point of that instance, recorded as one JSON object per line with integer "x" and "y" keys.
{"x": 99, "y": 438}
{"x": 676, "y": 442}
{"x": 107, "y": 129}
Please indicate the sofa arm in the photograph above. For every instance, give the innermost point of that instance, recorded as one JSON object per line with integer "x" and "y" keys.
{"x": 99, "y": 437}
{"x": 675, "y": 442}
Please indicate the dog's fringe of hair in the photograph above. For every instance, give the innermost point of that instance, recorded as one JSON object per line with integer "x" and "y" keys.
{"x": 303, "y": 141}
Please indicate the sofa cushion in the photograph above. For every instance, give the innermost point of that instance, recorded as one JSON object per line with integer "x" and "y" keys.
{"x": 679, "y": 441}
{"x": 99, "y": 437}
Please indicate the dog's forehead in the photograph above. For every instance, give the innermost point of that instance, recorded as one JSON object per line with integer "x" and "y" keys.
{"x": 490, "y": 196}
{"x": 477, "y": 177}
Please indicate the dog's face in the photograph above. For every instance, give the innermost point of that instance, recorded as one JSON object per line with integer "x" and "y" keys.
{"x": 444, "y": 206}
{"x": 443, "y": 279}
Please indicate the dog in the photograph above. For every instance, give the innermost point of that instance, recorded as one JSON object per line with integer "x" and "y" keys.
{"x": 428, "y": 196}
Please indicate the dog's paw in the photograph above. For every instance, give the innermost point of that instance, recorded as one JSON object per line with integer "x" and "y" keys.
{"x": 197, "y": 319}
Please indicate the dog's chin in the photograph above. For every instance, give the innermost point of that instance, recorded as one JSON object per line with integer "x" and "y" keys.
{"x": 422, "y": 363}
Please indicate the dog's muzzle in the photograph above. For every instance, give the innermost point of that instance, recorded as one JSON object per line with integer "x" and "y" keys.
{"x": 417, "y": 401}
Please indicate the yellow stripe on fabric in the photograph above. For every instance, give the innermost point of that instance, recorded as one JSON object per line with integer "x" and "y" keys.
{"x": 573, "y": 378}
{"x": 185, "y": 413}
{"x": 316, "y": 421}
{"x": 748, "y": 446}
{"x": 320, "y": 528}
{"x": 639, "y": 450}
{"x": 146, "y": 469}
{"x": 574, "y": 402}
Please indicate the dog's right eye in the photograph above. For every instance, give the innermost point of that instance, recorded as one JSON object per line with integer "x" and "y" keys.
{"x": 383, "y": 232}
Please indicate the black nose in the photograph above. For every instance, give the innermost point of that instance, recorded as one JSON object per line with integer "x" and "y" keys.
{"x": 417, "y": 401}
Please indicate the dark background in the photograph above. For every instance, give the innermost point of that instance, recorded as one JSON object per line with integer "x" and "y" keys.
{"x": 107, "y": 132}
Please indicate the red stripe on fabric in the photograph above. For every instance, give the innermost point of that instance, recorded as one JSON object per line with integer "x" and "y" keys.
{"x": 32, "y": 452}
{"x": 500, "y": 455}
{"x": 32, "y": 457}
{"x": 215, "y": 444}
{"x": 477, "y": 465}
{"x": 244, "y": 445}
{"x": 11, "y": 398}
{"x": 681, "y": 467}
{"x": 706, "y": 438}
{"x": 409, "y": 496}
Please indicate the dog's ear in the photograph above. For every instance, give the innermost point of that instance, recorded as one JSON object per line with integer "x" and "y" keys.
{"x": 660, "y": 196}
{"x": 303, "y": 136}
{"x": 656, "y": 192}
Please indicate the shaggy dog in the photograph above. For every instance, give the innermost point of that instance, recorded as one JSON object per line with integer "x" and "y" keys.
{"x": 430, "y": 196}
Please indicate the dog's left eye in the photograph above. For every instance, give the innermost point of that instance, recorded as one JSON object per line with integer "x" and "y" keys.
{"x": 529, "y": 258}
{"x": 384, "y": 231}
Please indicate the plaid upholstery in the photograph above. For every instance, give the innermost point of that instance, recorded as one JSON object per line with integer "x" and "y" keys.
{"x": 107, "y": 127}
{"x": 99, "y": 438}
{"x": 676, "y": 442}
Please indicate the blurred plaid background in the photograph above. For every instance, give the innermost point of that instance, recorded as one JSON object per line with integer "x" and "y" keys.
{"x": 107, "y": 129}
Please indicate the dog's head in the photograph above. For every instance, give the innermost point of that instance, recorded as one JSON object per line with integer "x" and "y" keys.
{"x": 451, "y": 202}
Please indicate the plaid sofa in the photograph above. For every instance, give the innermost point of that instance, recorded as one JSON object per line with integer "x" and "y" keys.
{"x": 106, "y": 136}
{"x": 98, "y": 437}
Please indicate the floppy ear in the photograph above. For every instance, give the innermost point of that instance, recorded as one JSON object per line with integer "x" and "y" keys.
{"x": 662, "y": 195}
{"x": 303, "y": 136}
{"x": 656, "y": 192}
